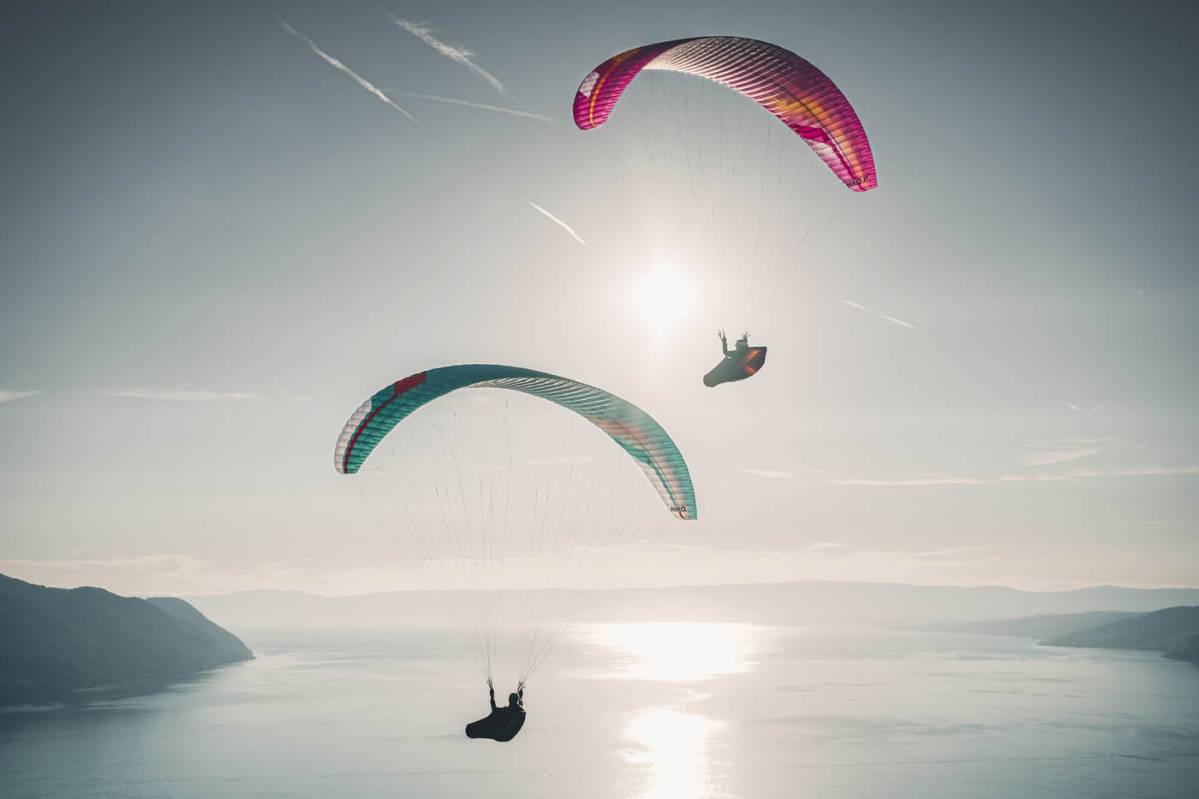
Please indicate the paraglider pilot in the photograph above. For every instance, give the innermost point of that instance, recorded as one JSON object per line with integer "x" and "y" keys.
{"x": 738, "y": 363}
{"x": 741, "y": 346}
{"x": 503, "y": 723}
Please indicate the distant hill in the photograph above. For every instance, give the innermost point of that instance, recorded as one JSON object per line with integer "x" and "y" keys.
{"x": 1047, "y": 625}
{"x": 1187, "y": 650}
{"x": 1174, "y": 631}
{"x": 815, "y": 602}
{"x": 55, "y": 642}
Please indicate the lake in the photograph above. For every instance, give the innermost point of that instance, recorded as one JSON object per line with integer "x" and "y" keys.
{"x": 636, "y": 710}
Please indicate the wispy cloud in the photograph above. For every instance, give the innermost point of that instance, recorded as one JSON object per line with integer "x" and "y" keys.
{"x": 459, "y": 54}
{"x": 338, "y": 65}
{"x": 557, "y": 222}
{"x": 1051, "y": 457}
{"x": 1073, "y": 407}
{"x": 145, "y": 574}
{"x": 175, "y": 574}
{"x": 916, "y": 481}
{"x": 824, "y": 546}
{"x": 767, "y": 474}
{"x": 499, "y": 109}
{"x": 1095, "y": 474}
{"x": 818, "y": 560}
{"x": 893, "y": 320}
{"x": 9, "y": 395}
{"x": 930, "y": 554}
{"x": 1036, "y": 477}
{"x": 182, "y": 395}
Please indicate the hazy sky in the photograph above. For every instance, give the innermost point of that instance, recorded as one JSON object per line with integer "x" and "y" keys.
{"x": 215, "y": 243}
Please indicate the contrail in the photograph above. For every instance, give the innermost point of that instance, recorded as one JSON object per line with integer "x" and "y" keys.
{"x": 558, "y": 222}
{"x": 336, "y": 64}
{"x": 899, "y": 322}
{"x": 459, "y": 54}
{"x": 890, "y": 319}
{"x": 516, "y": 112}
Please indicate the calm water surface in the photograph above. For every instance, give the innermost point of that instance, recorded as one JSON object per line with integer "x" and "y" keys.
{"x": 637, "y": 710}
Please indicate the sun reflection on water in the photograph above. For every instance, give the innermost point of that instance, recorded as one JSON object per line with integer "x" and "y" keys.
{"x": 672, "y": 747}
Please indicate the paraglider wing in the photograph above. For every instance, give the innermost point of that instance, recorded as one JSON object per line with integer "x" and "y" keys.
{"x": 795, "y": 91}
{"x": 753, "y": 361}
{"x": 626, "y": 424}
{"x": 736, "y": 366}
{"x": 502, "y": 725}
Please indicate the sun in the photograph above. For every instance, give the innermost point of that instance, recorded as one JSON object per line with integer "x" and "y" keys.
{"x": 663, "y": 297}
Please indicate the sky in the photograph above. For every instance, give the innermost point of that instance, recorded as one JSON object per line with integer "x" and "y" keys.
{"x": 224, "y": 225}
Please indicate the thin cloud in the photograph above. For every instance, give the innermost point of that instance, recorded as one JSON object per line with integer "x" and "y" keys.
{"x": 1036, "y": 477}
{"x": 459, "y": 54}
{"x": 174, "y": 574}
{"x": 557, "y": 222}
{"x": 1052, "y": 457}
{"x": 159, "y": 560}
{"x": 1095, "y": 474}
{"x": 1073, "y": 407}
{"x": 767, "y": 474}
{"x": 925, "y": 480}
{"x": 9, "y": 395}
{"x": 499, "y": 109}
{"x": 930, "y": 554}
{"x": 157, "y": 573}
{"x": 182, "y": 395}
{"x": 859, "y": 306}
{"x": 338, "y": 65}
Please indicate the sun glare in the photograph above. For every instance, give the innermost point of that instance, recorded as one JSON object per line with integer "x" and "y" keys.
{"x": 663, "y": 297}
{"x": 678, "y": 652}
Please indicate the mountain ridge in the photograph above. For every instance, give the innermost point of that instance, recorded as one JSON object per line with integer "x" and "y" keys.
{"x": 796, "y": 602}
{"x": 1173, "y": 631}
{"x": 58, "y": 642}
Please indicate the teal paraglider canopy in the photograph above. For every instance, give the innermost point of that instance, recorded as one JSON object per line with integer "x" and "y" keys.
{"x": 626, "y": 424}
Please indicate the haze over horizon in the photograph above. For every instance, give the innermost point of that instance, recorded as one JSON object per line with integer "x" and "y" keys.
{"x": 225, "y": 225}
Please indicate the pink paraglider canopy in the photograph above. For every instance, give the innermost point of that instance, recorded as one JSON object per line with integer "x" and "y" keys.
{"x": 799, "y": 94}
